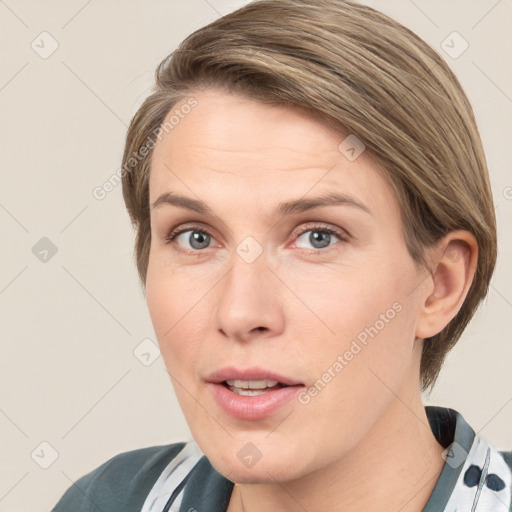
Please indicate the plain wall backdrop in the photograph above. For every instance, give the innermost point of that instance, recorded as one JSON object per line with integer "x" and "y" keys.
{"x": 77, "y": 386}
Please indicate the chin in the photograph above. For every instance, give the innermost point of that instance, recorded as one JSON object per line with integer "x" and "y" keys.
{"x": 261, "y": 472}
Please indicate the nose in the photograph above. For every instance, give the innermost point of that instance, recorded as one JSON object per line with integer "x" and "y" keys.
{"x": 248, "y": 301}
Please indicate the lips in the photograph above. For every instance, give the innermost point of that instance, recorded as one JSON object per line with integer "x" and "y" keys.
{"x": 250, "y": 374}
{"x": 251, "y": 394}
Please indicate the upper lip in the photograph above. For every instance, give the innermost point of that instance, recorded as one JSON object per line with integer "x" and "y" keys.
{"x": 255, "y": 373}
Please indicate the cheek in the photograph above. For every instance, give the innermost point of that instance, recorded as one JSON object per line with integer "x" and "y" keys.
{"x": 171, "y": 292}
{"x": 361, "y": 325}
{"x": 179, "y": 322}
{"x": 177, "y": 313}
{"x": 341, "y": 302}
{"x": 357, "y": 372}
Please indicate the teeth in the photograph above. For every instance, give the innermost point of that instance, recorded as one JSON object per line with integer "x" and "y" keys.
{"x": 247, "y": 392}
{"x": 251, "y": 384}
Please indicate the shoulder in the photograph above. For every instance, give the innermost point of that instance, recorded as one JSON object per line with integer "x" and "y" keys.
{"x": 121, "y": 483}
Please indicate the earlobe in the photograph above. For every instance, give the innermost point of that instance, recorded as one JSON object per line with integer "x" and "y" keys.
{"x": 453, "y": 269}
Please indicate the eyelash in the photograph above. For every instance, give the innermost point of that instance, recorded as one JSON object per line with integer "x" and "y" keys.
{"x": 342, "y": 235}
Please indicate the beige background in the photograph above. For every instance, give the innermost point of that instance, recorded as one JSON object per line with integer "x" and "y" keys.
{"x": 70, "y": 325}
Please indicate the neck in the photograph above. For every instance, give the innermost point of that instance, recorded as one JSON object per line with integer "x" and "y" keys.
{"x": 395, "y": 468}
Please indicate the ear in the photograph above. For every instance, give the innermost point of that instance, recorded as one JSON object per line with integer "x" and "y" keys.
{"x": 453, "y": 263}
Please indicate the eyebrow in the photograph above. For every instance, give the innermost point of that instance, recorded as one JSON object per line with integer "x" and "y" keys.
{"x": 283, "y": 209}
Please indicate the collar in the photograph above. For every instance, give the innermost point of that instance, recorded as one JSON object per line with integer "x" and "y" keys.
{"x": 474, "y": 478}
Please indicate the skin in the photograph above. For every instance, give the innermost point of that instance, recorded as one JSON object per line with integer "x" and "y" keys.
{"x": 363, "y": 442}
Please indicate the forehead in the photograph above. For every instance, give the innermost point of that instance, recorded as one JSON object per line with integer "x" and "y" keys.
{"x": 229, "y": 145}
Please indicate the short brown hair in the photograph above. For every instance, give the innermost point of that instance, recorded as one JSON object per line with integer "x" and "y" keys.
{"x": 363, "y": 74}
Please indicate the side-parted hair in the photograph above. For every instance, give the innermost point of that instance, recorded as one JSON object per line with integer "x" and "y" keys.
{"x": 362, "y": 73}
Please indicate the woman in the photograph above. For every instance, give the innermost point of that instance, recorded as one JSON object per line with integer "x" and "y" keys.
{"x": 315, "y": 229}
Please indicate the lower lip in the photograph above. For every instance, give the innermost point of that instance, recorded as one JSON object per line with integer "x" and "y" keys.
{"x": 252, "y": 407}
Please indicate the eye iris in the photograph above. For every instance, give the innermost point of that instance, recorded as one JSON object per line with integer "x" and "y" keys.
{"x": 202, "y": 238}
{"x": 321, "y": 236}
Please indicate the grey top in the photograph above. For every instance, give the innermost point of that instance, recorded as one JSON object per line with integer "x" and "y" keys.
{"x": 476, "y": 477}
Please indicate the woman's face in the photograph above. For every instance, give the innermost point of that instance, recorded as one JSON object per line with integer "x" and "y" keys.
{"x": 287, "y": 263}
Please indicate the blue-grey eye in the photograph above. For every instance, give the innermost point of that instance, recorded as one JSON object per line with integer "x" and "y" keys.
{"x": 318, "y": 238}
{"x": 197, "y": 239}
